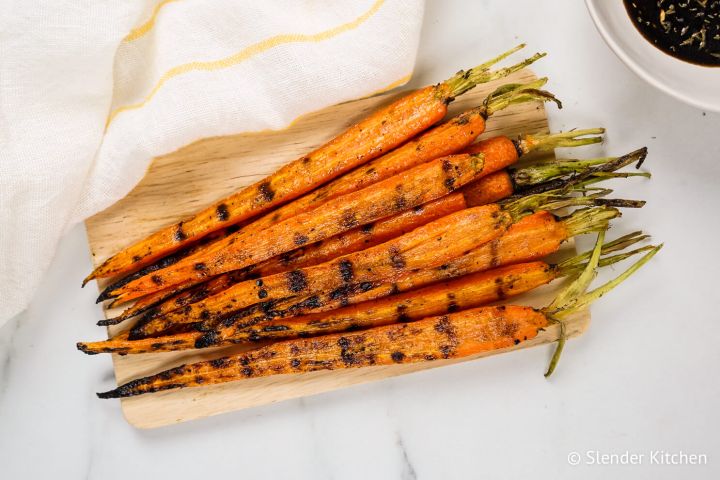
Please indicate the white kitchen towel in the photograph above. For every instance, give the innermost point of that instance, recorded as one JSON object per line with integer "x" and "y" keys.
{"x": 91, "y": 91}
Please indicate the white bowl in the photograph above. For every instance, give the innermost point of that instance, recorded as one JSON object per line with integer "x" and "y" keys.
{"x": 693, "y": 84}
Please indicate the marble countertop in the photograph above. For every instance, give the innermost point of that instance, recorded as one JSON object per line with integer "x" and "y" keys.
{"x": 642, "y": 379}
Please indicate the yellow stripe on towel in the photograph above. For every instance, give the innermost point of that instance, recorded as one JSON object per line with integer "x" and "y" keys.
{"x": 247, "y": 53}
{"x": 143, "y": 29}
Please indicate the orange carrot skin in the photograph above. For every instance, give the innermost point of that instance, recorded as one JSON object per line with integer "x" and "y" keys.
{"x": 462, "y": 293}
{"x": 443, "y": 140}
{"x": 425, "y": 247}
{"x": 493, "y": 188}
{"x": 532, "y": 238}
{"x": 413, "y": 187}
{"x": 455, "y": 335}
{"x": 486, "y": 190}
{"x": 352, "y": 241}
{"x": 448, "y": 297}
{"x": 380, "y": 132}
{"x": 364, "y": 237}
{"x": 516, "y": 245}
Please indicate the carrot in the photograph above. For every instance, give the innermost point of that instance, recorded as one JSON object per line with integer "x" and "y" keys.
{"x": 429, "y": 245}
{"x": 486, "y": 190}
{"x": 424, "y": 248}
{"x": 348, "y": 242}
{"x": 380, "y": 132}
{"x": 412, "y": 187}
{"x": 454, "y": 335}
{"x": 447, "y": 297}
{"x": 530, "y": 239}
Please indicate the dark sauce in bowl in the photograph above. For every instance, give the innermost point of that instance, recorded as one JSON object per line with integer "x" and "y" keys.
{"x": 686, "y": 29}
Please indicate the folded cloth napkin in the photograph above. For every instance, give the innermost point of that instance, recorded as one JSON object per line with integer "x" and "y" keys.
{"x": 91, "y": 91}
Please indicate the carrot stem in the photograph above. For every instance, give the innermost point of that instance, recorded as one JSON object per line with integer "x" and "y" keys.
{"x": 573, "y": 138}
{"x": 513, "y": 93}
{"x": 575, "y": 296}
{"x": 465, "y": 80}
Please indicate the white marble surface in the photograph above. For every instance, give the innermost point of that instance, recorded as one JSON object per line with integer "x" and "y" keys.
{"x": 643, "y": 378}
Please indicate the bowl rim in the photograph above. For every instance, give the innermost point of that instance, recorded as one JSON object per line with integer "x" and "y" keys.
{"x": 636, "y": 68}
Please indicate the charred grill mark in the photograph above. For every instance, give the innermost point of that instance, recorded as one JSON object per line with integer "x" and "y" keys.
{"x": 262, "y": 293}
{"x": 157, "y": 279}
{"x": 367, "y": 228}
{"x": 346, "y": 270}
{"x": 397, "y": 356}
{"x": 200, "y": 267}
{"x": 445, "y": 327}
{"x": 179, "y": 234}
{"x": 365, "y": 286}
{"x": 347, "y": 356}
{"x": 447, "y": 166}
{"x": 449, "y": 184}
{"x": 452, "y": 305}
{"x": 207, "y": 340}
{"x": 349, "y": 219}
{"x": 299, "y": 239}
{"x": 275, "y": 328}
{"x": 308, "y": 303}
{"x": 137, "y": 258}
{"x": 220, "y": 362}
{"x": 500, "y": 289}
{"x": 396, "y": 258}
{"x": 402, "y": 315}
{"x": 418, "y": 208}
{"x": 296, "y": 280}
{"x": 222, "y": 212}
{"x": 266, "y": 192}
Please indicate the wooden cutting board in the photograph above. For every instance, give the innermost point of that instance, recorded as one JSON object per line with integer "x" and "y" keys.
{"x": 182, "y": 182}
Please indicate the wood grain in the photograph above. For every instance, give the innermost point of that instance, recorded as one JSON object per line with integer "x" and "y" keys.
{"x": 182, "y": 182}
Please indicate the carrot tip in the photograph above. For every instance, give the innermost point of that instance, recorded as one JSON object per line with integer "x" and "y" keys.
{"x": 109, "y": 394}
{"x": 84, "y": 348}
{"x": 106, "y": 322}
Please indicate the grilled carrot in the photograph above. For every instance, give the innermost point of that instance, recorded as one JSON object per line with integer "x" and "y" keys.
{"x": 427, "y": 246}
{"x": 448, "y": 336}
{"x": 486, "y": 190}
{"x": 466, "y": 292}
{"x": 407, "y": 189}
{"x": 348, "y": 242}
{"x": 380, "y": 132}
{"x": 530, "y": 239}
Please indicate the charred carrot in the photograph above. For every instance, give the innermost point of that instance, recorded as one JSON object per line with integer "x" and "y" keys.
{"x": 486, "y": 190}
{"x": 466, "y": 292}
{"x": 426, "y": 247}
{"x": 348, "y": 242}
{"x": 405, "y": 190}
{"x": 380, "y": 132}
{"x": 530, "y": 239}
{"x": 454, "y": 335}
{"x": 445, "y": 139}
{"x": 429, "y": 245}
